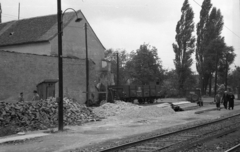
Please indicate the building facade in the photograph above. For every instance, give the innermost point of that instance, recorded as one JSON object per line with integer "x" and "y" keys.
{"x": 28, "y": 55}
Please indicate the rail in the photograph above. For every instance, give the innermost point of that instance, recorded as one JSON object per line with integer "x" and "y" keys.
{"x": 234, "y": 148}
{"x": 187, "y": 136}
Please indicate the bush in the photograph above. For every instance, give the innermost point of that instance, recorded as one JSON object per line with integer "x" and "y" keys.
{"x": 168, "y": 90}
{"x": 5, "y": 131}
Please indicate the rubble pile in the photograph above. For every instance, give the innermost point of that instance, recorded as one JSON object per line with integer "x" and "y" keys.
{"x": 149, "y": 112}
{"x": 113, "y": 109}
{"x": 43, "y": 114}
{"x": 127, "y": 110}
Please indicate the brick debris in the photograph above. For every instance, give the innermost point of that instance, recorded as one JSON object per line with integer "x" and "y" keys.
{"x": 43, "y": 114}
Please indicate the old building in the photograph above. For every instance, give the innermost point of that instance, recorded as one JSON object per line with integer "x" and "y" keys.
{"x": 28, "y": 55}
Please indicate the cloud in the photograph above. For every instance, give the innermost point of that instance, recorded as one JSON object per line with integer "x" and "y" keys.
{"x": 129, "y": 23}
{"x": 121, "y": 34}
{"x": 153, "y": 11}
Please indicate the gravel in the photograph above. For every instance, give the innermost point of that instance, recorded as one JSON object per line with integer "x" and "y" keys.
{"x": 125, "y": 110}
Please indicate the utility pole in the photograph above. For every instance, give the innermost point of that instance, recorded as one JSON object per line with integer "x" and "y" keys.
{"x": 117, "y": 70}
{"x": 226, "y": 76}
{"x": 60, "y": 68}
{"x": 216, "y": 73}
{"x": 87, "y": 67}
{"x": 18, "y": 11}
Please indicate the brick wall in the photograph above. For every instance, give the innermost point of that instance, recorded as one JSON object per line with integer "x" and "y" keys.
{"x": 22, "y": 72}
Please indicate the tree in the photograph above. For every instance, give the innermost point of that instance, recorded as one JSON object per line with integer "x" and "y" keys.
{"x": 200, "y": 48}
{"x": 169, "y": 87}
{"x": 234, "y": 77}
{"x": 123, "y": 56}
{"x": 191, "y": 82}
{"x": 144, "y": 65}
{"x": 227, "y": 59}
{"x": 210, "y": 44}
{"x": 216, "y": 48}
{"x": 185, "y": 45}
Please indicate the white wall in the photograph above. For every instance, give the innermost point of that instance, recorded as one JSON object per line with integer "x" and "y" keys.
{"x": 73, "y": 41}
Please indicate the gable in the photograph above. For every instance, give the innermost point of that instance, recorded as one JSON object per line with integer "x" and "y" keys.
{"x": 31, "y": 30}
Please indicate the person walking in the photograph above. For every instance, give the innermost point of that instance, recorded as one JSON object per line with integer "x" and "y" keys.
{"x": 231, "y": 101}
{"x": 218, "y": 100}
{"x": 225, "y": 99}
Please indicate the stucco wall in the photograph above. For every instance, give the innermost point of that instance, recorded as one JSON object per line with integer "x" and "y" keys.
{"x": 42, "y": 48}
{"x": 22, "y": 72}
{"x": 74, "y": 42}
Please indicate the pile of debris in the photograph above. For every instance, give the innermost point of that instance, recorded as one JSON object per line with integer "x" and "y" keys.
{"x": 149, "y": 112}
{"x": 113, "y": 109}
{"x": 128, "y": 110}
{"x": 43, "y": 114}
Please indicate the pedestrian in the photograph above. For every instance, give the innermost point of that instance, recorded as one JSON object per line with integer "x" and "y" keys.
{"x": 35, "y": 96}
{"x": 20, "y": 98}
{"x": 225, "y": 99}
{"x": 231, "y": 100}
{"x": 218, "y": 100}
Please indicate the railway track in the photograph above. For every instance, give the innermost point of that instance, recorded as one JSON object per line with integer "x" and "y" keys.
{"x": 235, "y": 148}
{"x": 182, "y": 138}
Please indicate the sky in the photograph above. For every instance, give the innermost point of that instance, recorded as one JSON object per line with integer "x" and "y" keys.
{"x": 127, "y": 24}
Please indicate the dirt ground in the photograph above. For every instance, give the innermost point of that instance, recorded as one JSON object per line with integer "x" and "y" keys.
{"x": 111, "y": 128}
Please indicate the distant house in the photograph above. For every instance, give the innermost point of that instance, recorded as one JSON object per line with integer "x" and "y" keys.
{"x": 28, "y": 55}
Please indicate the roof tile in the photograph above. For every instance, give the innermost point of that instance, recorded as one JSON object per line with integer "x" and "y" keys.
{"x": 31, "y": 30}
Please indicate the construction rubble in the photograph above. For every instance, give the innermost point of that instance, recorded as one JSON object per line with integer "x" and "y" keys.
{"x": 43, "y": 114}
{"x": 126, "y": 110}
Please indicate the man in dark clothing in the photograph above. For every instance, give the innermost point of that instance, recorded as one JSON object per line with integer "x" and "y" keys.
{"x": 218, "y": 100}
{"x": 225, "y": 99}
{"x": 231, "y": 101}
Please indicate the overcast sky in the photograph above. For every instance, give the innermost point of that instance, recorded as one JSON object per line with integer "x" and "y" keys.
{"x": 126, "y": 24}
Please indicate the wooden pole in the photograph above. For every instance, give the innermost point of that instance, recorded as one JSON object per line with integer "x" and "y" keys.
{"x": 60, "y": 68}
{"x": 87, "y": 67}
{"x": 226, "y": 76}
{"x": 18, "y": 11}
{"x": 216, "y": 73}
{"x": 117, "y": 70}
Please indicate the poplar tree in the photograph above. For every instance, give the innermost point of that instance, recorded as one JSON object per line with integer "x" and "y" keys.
{"x": 210, "y": 44}
{"x": 184, "y": 46}
{"x": 201, "y": 36}
{"x": 215, "y": 46}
